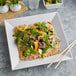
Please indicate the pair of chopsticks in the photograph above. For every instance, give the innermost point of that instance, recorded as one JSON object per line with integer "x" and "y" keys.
{"x": 66, "y": 51}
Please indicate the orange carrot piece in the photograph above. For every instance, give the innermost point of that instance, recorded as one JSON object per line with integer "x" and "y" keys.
{"x": 18, "y": 28}
{"x": 21, "y": 53}
{"x": 36, "y": 45}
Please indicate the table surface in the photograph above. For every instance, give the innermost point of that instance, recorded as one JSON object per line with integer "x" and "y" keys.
{"x": 67, "y": 68}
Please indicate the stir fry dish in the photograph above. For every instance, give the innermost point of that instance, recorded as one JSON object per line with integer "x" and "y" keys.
{"x": 36, "y": 40}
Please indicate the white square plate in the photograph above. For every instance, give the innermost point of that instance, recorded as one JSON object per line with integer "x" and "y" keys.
{"x": 13, "y": 50}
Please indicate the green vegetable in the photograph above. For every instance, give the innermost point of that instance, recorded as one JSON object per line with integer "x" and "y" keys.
{"x": 34, "y": 27}
{"x": 19, "y": 33}
{"x": 23, "y": 48}
{"x": 19, "y": 40}
{"x": 31, "y": 42}
{"x": 26, "y": 38}
{"x": 33, "y": 50}
{"x": 45, "y": 29}
{"x": 53, "y": 42}
{"x": 35, "y": 32}
{"x": 46, "y": 48}
{"x": 31, "y": 36}
{"x": 45, "y": 39}
{"x": 47, "y": 0}
{"x": 2, "y": 2}
{"x": 53, "y": 1}
{"x": 51, "y": 32}
{"x": 28, "y": 52}
{"x": 29, "y": 48}
{"x": 39, "y": 25}
{"x": 25, "y": 32}
{"x": 57, "y": 1}
{"x": 14, "y": 1}
{"x": 42, "y": 26}
{"x": 32, "y": 46}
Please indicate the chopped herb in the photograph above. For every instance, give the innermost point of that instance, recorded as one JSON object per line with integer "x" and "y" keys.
{"x": 51, "y": 32}
{"x": 30, "y": 48}
{"x": 35, "y": 32}
{"x": 2, "y": 2}
{"x": 31, "y": 42}
{"x": 23, "y": 48}
{"x": 27, "y": 52}
{"x": 46, "y": 48}
{"x": 41, "y": 25}
{"x": 19, "y": 40}
{"x": 45, "y": 29}
{"x": 19, "y": 33}
{"x": 45, "y": 39}
{"x": 25, "y": 32}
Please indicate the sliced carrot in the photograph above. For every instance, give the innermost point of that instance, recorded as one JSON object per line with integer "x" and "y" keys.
{"x": 21, "y": 53}
{"x": 36, "y": 45}
{"x": 34, "y": 53}
{"x": 47, "y": 3}
{"x": 18, "y": 28}
{"x": 41, "y": 32}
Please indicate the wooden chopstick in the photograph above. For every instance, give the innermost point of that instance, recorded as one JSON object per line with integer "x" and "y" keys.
{"x": 61, "y": 54}
{"x": 64, "y": 55}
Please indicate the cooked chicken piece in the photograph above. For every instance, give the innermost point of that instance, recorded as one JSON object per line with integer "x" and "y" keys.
{"x": 51, "y": 36}
{"x": 40, "y": 51}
